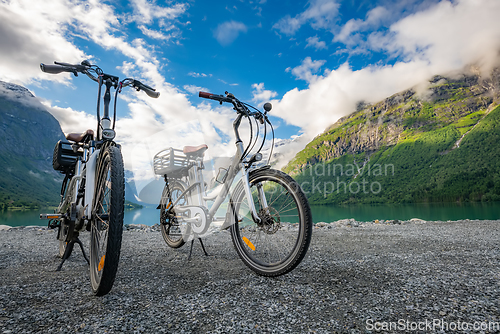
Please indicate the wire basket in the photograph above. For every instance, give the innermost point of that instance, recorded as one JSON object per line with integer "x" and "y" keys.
{"x": 170, "y": 161}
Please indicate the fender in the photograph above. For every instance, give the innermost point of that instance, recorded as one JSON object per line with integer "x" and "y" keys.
{"x": 90, "y": 183}
{"x": 230, "y": 213}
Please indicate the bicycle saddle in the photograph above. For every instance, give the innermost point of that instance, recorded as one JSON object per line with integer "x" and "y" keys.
{"x": 197, "y": 151}
{"x": 80, "y": 137}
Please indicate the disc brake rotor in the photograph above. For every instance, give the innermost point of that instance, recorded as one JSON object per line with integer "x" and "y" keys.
{"x": 269, "y": 220}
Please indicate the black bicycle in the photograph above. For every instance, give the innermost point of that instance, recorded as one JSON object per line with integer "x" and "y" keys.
{"x": 93, "y": 189}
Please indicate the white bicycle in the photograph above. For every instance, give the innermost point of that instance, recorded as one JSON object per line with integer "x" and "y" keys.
{"x": 268, "y": 214}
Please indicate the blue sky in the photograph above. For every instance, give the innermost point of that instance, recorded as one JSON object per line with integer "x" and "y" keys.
{"x": 315, "y": 60}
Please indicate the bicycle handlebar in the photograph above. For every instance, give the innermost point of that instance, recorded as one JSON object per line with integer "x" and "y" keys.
{"x": 239, "y": 106}
{"x": 242, "y": 109}
{"x": 86, "y": 69}
{"x": 220, "y": 98}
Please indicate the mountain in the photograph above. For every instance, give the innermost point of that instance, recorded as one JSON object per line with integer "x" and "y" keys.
{"x": 433, "y": 145}
{"x": 28, "y": 134}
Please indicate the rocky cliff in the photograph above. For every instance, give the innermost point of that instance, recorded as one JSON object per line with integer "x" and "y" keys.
{"x": 28, "y": 134}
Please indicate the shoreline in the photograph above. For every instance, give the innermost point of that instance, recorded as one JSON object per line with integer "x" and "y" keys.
{"x": 334, "y": 224}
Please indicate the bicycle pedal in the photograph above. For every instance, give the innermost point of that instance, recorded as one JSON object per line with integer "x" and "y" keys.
{"x": 54, "y": 224}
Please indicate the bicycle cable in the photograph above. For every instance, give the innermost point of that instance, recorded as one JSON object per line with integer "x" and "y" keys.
{"x": 256, "y": 136}
{"x": 265, "y": 128}
{"x": 245, "y": 152}
{"x": 117, "y": 90}
{"x": 272, "y": 142}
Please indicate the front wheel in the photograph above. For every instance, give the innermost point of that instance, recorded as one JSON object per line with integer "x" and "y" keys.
{"x": 278, "y": 243}
{"x": 107, "y": 220}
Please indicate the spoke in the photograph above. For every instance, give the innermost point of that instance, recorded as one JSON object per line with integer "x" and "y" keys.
{"x": 276, "y": 198}
{"x": 291, "y": 209}
{"x": 292, "y": 201}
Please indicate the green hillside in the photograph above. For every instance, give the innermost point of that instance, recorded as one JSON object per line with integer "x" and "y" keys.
{"x": 409, "y": 148}
{"x": 28, "y": 134}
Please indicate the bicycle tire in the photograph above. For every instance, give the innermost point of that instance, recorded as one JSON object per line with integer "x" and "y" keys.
{"x": 272, "y": 247}
{"x": 171, "y": 231}
{"x": 62, "y": 236}
{"x": 107, "y": 220}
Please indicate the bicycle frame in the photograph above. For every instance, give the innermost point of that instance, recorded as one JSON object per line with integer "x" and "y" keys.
{"x": 195, "y": 190}
{"x": 270, "y": 229}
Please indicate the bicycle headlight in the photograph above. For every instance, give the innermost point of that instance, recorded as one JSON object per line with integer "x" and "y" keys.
{"x": 108, "y": 134}
{"x": 256, "y": 157}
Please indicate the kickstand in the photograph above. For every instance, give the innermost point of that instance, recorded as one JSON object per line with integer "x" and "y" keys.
{"x": 191, "y": 249}
{"x": 67, "y": 252}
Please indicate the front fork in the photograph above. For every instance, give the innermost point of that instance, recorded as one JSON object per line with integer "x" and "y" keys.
{"x": 248, "y": 192}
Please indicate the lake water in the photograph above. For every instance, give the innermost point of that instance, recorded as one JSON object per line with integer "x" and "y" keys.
{"x": 435, "y": 211}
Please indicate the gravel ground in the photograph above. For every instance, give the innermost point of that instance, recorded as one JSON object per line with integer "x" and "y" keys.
{"x": 394, "y": 276}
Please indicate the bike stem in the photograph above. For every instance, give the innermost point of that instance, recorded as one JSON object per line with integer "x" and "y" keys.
{"x": 107, "y": 99}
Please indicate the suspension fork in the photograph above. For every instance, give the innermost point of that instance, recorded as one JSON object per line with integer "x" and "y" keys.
{"x": 262, "y": 197}
{"x": 248, "y": 193}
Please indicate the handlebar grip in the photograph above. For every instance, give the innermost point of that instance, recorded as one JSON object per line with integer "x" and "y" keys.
{"x": 205, "y": 95}
{"x": 151, "y": 93}
{"x": 53, "y": 69}
{"x": 148, "y": 90}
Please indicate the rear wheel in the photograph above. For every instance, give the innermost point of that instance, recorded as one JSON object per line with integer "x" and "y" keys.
{"x": 107, "y": 220}
{"x": 64, "y": 238}
{"x": 172, "y": 229}
{"x": 278, "y": 243}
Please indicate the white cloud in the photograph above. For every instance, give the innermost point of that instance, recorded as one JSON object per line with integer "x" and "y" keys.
{"x": 320, "y": 14}
{"x": 227, "y": 32}
{"x": 450, "y": 35}
{"x": 306, "y": 69}
{"x": 194, "y": 89}
{"x": 146, "y": 12}
{"x": 335, "y": 94}
{"x": 198, "y": 75}
{"x": 315, "y": 43}
{"x": 71, "y": 121}
{"x": 34, "y": 32}
{"x": 351, "y": 33}
{"x": 155, "y": 34}
{"x": 262, "y": 95}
